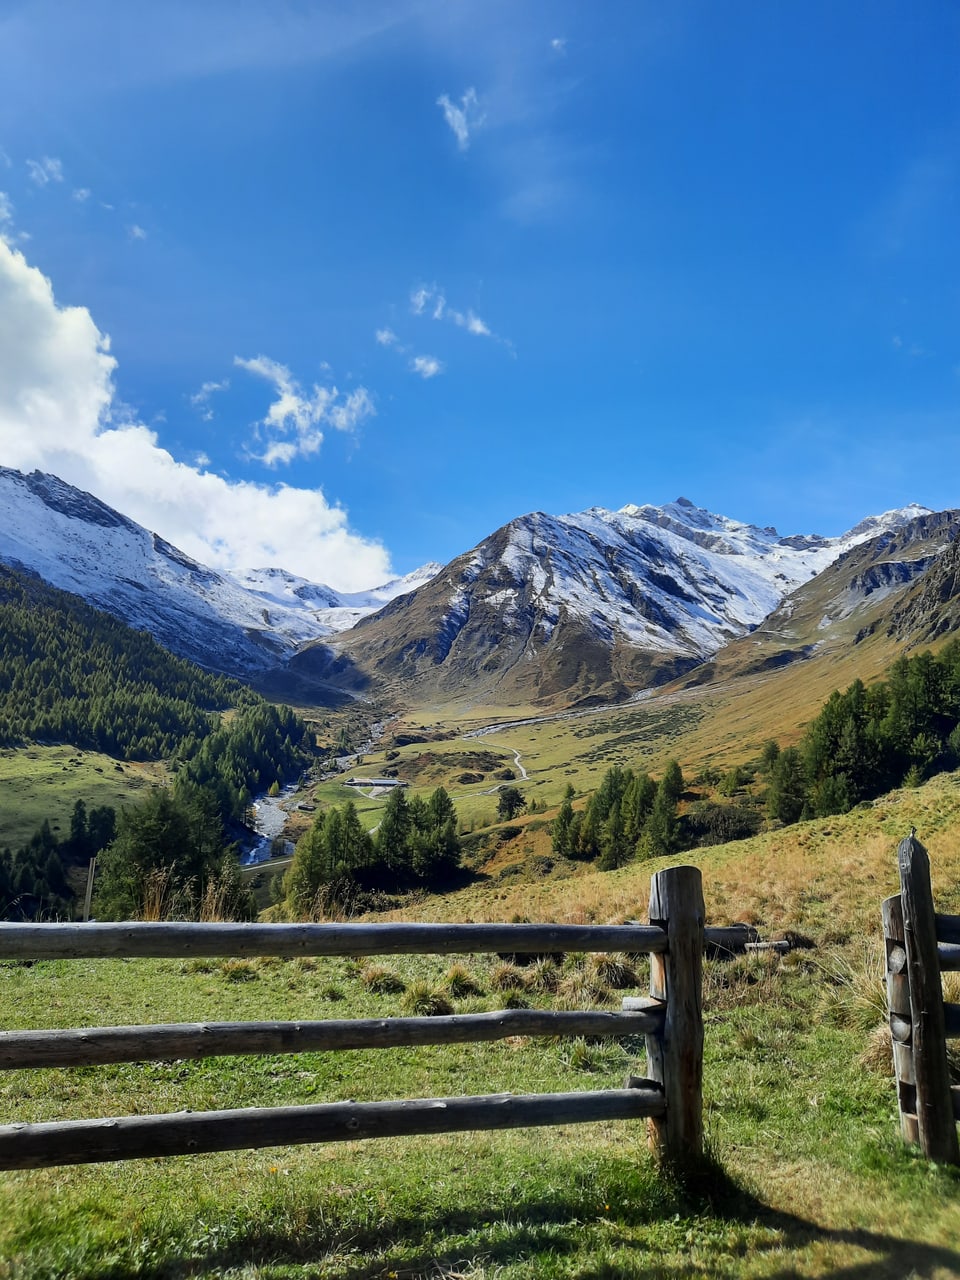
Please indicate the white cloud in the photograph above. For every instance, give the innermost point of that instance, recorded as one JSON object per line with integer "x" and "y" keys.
{"x": 301, "y": 413}
{"x": 430, "y": 295}
{"x": 201, "y": 399}
{"x": 357, "y": 406}
{"x": 472, "y": 323}
{"x": 47, "y": 169}
{"x": 6, "y": 208}
{"x": 420, "y": 297}
{"x": 136, "y": 232}
{"x": 463, "y": 119}
{"x": 5, "y": 159}
{"x": 202, "y": 460}
{"x": 81, "y": 194}
{"x": 386, "y": 337}
{"x": 426, "y": 366}
{"x": 559, "y": 44}
{"x": 58, "y": 413}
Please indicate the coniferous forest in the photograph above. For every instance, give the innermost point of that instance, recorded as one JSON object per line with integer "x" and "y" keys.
{"x": 69, "y": 673}
{"x": 864, "y": 742}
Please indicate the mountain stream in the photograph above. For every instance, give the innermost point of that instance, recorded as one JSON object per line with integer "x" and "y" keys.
{"x": 269, "y": 820}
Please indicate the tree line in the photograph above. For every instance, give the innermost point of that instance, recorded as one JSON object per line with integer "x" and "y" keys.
{"x": 70, "y": 673}
{"x": 866, "y": 741}
{"x": 34, "y": 878}
{"x": 863, "y": 743}
{"x": 416, "y": 845}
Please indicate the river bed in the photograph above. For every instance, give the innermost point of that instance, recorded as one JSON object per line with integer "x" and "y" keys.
{"x": 269, "y": 820}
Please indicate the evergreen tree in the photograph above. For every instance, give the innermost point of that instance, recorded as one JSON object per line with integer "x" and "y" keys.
{"x": 562, "y": 823}
{"x": 787, "y": 792}
{"x": 510, "y": 802}
{"x": 660, "y": 834}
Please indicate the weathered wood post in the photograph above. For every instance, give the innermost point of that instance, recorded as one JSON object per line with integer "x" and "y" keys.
{"x": 935, "y": 1120}
{"x": 675, "y": 1057}
{"x": 901, "y": 1024}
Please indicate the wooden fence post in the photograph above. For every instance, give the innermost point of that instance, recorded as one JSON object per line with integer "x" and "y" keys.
{"x": 935, "y": 1120}
{"x": 901, "y": 1025}
{"x": 675, "y": 1057}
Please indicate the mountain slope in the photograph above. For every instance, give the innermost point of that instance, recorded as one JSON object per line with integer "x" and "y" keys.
{"x": 585, "y": 606}
{"x": 71, "y": 673}
{"x": 863, "y": 592}
{"x": 241, "y": 625}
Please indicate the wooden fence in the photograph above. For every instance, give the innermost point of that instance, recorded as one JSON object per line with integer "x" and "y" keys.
{"x": 670, "y": 1098}
{"x": 920, "y": 945}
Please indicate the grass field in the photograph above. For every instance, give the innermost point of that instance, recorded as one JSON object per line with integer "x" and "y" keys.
{"x": 810, "y": 1176}
{"x": 38, "y": 783}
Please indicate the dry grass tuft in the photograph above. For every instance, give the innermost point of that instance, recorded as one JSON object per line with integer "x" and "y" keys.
{"x": 460, "y": 982}
{"x": 878, "y": 1055}
{"x": 856, "y": 992}
{"x": 424, "y": 1001}
{"x": 615, "y": 972}
{"x": 507, "y": 977}
{"x": 581, "y": 989}
{"x": 544, "y": 976}
{"x": 239, "y": 970}
{"x": 381, "y": 981}
{"x": 514, "y": 1000}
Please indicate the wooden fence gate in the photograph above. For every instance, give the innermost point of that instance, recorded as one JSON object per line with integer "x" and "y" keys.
{"x": 671, "y": 1020}
{"x": 920, "y": 944}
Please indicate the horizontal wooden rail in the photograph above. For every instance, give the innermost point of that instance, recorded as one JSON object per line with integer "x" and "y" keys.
{"x": 948, "y": 954}
{"x": 95, "y": 1046}
{"x": 951, "y": 1020}
{"x": 955, "y": 1098}
{"x": 181, "y": 941}
{"x": 948, "y": 928}
{"x": 731, "y": 938}
{"x": 37, "y": 1146}
{"x": 726, "y": 939}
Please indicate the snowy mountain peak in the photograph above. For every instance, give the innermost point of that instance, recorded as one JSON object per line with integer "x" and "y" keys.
{"x": 594, "y": 603}
{"x": 887, "y": 521}
{"x": 63, "y": 498}
{"x": 240, "y": 623}
{"x": 593, "y": 599}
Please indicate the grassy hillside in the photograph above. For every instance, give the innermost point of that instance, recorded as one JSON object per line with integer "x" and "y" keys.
{"x": 800, "y": 1105}
{"x": 38, "y": 783}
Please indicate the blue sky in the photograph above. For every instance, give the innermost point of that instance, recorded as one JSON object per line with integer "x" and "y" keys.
{"x": 379, "y": 276}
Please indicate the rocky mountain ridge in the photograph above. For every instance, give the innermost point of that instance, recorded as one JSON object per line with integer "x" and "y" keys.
{"x": 546, "y": 610}
{"x": 586, "y": 606}
{"x": 242, "y": 623}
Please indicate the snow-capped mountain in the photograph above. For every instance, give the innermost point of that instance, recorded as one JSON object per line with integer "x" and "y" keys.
{"x": 548, "y": 608}
{"x": 334, "y": 610}
{"x": 240, "y": 624}
{"x": 599, "y": 601}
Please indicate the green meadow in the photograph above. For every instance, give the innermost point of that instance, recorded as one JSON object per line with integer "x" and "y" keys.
{"x": 806, "y": 1174}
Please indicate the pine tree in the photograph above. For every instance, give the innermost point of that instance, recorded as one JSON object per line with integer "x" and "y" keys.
{"x": 562, "y": 823}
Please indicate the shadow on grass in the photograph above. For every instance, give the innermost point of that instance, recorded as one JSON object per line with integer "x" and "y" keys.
{"x": 543, "y": 1230}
